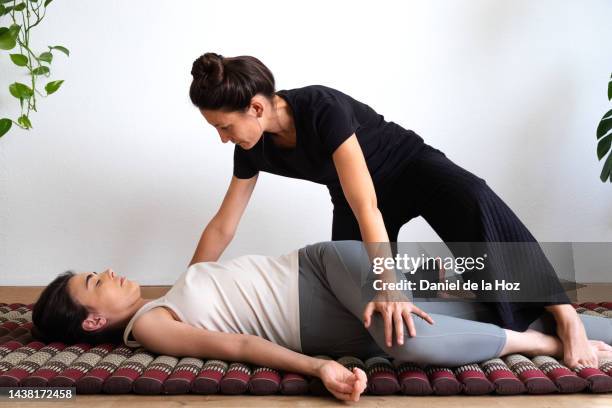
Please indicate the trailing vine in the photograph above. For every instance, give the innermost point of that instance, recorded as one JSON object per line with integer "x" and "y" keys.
{"x": 25, "y": 15}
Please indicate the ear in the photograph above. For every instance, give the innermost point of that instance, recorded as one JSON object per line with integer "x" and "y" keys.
{"x": 93, "y": 322}
{"x": 256, "y": 105}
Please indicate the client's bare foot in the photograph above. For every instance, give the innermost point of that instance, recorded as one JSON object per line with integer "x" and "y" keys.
{"x": 534, "y": 343}
{"x": 577, "y": 350}
{"x": 541, "y": 344}
{"x": 602, "y": 350}
{"x": 603, "y": 355}
{"x": 599, "y": 345}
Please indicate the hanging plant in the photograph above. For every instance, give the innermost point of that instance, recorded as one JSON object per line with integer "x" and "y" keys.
{"x": 25, "y": 15}
{"x": 605, "y": 139}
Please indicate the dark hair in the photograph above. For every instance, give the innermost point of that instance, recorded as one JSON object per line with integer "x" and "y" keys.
{"x": 58, "y": 317}
{"x": 228, "y": 84}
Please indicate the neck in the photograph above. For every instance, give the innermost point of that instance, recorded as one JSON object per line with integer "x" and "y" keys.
{"x": 281, "y": 122}
{"x": 132, "y": 311}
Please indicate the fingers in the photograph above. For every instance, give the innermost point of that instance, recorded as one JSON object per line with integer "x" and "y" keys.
{"x": 360, "y": 383}
{"x": 408, "y": 319}
{"x": 418, "y": 311}
{"x": 367, "y": 314}
{"x": 388, "y": 327}
{"x": 343, "y": 390}
{"x": 342, "y": 396}
{"x": 399, "y": 326}
{"x": 339, "y": 387}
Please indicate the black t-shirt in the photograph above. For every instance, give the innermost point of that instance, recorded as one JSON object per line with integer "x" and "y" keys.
{"x": 324, "y": 118}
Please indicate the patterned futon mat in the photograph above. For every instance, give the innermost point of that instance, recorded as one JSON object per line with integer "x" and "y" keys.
{"x": 116, "y": 369}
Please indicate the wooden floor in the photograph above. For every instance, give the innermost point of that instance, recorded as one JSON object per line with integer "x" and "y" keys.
{"x": 592, "y": 292}
{"x": 487, "y": 401}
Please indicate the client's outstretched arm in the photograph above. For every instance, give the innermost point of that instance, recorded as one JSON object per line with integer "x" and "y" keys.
{"x": 165, "y": 336}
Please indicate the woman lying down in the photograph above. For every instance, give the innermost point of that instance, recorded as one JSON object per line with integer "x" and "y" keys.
{"x": 275, "y": 311}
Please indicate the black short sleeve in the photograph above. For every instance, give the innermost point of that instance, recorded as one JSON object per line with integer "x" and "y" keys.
{"x": 335, "y": 122}
{"x": 243, "y": 168}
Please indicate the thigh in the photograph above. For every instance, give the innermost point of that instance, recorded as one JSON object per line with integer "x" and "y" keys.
{"x": 348, "y": 272}
{"x": 461, "y": 324}
{"x": 326, "y": 325}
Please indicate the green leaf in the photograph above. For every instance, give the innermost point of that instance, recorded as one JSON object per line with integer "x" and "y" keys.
{"x": 5, "y": 126}
{"x": 46, "y": 56}
{"x": 607, "y": 115}
{"x": 5, "y": 10}
{"x": 8, "y": 39}
{"x": 47, "y": 2}
{"x": 42, "y": 70}
{"x": 20, "y": 91}
{"x": 60, "y": 48}
{"x": 605, "y": 172}
{"x": 610, "y": 89}
{"x": 603, "y": 146}
{"x": 24, "y": 121}
{"x": 20, "y": 6}
{"x": 604, "y": 127}
{"x": 19, "y": 59}
{"x": 53, "y": 86}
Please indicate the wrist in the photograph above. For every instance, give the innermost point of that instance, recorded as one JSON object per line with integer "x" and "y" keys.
{"x": 316, "y": 364}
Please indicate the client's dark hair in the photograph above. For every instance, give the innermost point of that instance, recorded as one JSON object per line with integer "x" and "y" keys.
{"x": 228, "y": 84}
{"x": 58, "y": 317}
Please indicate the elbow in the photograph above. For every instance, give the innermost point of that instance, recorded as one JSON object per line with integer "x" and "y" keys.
{"x": 239, "y": 348}
{"x": 223, "y": 233}
{"x": 227, "y": 235}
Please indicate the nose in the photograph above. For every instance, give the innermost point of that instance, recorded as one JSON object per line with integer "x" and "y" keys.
{"x": 111, "y": 273}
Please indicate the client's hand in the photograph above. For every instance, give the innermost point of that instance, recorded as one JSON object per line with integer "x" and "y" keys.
{"x": 341, "y": 382}
{"x": 394, "y": 312}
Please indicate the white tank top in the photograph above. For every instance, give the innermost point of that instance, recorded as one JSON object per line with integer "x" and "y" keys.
{"x": 250, "y": 294}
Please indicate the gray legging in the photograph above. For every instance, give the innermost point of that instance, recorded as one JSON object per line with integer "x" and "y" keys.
{"x": 332, "y": 304}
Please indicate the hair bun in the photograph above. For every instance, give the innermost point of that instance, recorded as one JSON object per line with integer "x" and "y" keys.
{"x": 208, "y": 66}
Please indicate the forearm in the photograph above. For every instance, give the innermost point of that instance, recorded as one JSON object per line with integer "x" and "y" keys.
{"x": 376, "y": 239}
{"x": 262, "y": 352}
{"x": 211, "y": 245}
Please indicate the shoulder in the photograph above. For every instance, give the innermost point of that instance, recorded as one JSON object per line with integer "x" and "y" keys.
{"x": 317, "y": 92}
{"x": 157, "y": 317}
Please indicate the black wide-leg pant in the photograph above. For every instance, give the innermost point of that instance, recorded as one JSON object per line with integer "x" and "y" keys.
{"x": 461, "y": 208}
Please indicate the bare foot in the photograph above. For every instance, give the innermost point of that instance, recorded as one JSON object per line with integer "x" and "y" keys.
{"x": 540, "y": 344}
{"x": 599, "y": 345}
{"x": 577, "y": 350}
{"x": 604, "y": 355}
{"x": 602, "y": 350}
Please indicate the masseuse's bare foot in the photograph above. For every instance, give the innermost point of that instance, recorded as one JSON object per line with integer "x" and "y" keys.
{"x": 570, "y": 329}
{"x": 577, "y": 350}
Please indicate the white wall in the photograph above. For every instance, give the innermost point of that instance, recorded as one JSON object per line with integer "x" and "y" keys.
{"x": 121, "y": 170}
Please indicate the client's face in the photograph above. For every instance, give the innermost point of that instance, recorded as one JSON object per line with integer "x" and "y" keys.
{"x": 109, "y": 298}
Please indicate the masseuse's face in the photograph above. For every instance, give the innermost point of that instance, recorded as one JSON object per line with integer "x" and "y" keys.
{"x": 241, "y": 128}
{"x": 107, "y": 296}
